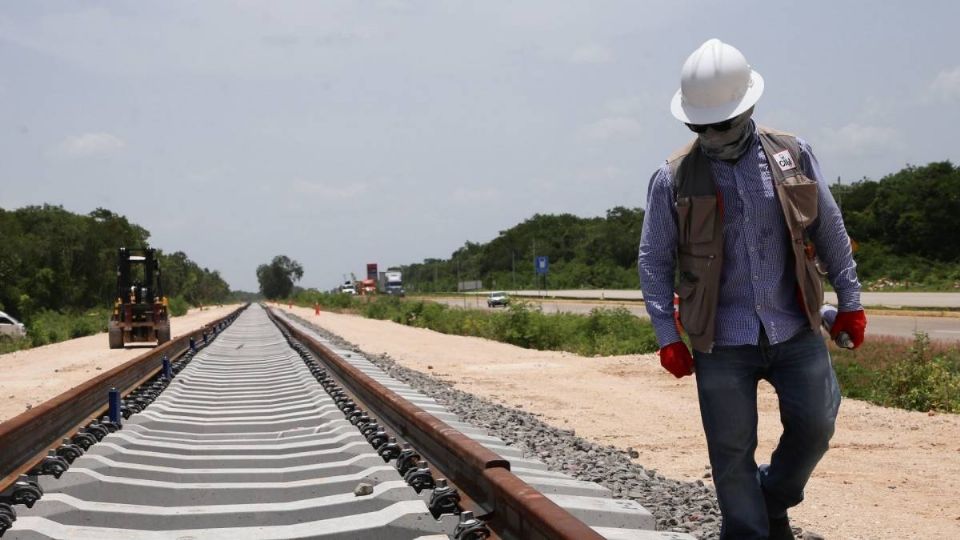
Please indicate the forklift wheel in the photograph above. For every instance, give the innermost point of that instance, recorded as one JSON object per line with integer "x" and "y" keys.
{"x": 116, "y": 338}
{"x": 163, "y": 335}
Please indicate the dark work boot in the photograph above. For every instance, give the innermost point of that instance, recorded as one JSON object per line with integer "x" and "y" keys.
{"x": 780, "y": 529}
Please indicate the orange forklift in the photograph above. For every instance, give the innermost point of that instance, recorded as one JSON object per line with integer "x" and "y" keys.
{"x": 140, "y": 311}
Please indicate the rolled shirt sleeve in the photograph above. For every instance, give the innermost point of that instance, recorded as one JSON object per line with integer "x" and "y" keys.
{"x": 656, "y": 261}
{"x": 830, "y": 237}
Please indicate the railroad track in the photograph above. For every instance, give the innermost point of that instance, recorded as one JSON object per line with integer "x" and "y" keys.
{"x": 269, "y": 431}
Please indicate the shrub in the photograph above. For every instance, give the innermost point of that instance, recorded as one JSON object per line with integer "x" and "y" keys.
{"x": 604, "y": 332}
{"x": 311, "y": 297}
{"x": 87, "y": 325}
{"x": 923, "y": 381}
{"x": 8, "y": 344}
{"x": 917, "y": 375}
{"x": 178, "y": 306}
{"x": 383, "y": 308}
{"x": 617, "y": 331}
{"x": 38, "y": 333}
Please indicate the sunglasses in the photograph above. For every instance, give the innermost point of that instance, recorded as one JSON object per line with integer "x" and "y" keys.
{"x": 719, "y": 126}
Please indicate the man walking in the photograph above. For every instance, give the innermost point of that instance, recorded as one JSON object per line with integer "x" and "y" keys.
{"x": 740, "y": 224}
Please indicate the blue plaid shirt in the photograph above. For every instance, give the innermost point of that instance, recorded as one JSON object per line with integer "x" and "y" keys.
{"x": 758, "y": 281}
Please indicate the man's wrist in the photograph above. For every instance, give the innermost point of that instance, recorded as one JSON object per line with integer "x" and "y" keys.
{"x": 667, "y": 337}
{"x": 849, "y": 306}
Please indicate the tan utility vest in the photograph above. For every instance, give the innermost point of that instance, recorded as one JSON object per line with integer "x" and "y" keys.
{"x": 700, "y": 231}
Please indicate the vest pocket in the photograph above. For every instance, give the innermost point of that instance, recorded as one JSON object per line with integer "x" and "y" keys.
{"x": 694, "y": 306}
{"x": 801, "y": 197}
{"x": 813, "y": 285}
{"x": 695, "y": 219}
{"x": 703, "y": 214}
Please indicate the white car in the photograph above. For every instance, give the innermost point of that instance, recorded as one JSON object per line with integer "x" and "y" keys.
{"x": 498, "y": 298}
{"x": 11, "y": 327}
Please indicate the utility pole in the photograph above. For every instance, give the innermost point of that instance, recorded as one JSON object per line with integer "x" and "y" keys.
{"x": 459, "y": 282}
{"x": 513, "y": 268}
{"x": 536, "y": 277}
{"x": 840, "y": 195}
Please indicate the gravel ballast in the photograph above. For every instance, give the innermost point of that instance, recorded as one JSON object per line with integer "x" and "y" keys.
{"x": 677, "y": 505}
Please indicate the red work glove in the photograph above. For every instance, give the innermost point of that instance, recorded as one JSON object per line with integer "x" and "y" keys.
{"x": 854, "y": 323}
{"x": 676, "y": 358}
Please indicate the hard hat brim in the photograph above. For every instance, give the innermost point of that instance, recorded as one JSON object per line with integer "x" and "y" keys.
{"x": 711, "y": 115}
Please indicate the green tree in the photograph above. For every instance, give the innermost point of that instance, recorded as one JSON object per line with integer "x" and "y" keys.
{"x": 52, "y": 259}
{"x": 277, "y": 278}
{"x": 583, "y": 252}
{"x": 916, "y": 211}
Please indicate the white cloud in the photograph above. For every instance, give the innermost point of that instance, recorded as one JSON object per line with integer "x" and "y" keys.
{"x": 859, "y": 140}
{"x": 946, "y": 86}
{"x": 614, "y": 127}
{"x": 347, "y": 190}
{"x": 91, "y": 145}
{"x": 592, "y": 54}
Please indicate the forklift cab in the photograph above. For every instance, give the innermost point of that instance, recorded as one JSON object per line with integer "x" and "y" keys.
{"x": 140, "y": 308}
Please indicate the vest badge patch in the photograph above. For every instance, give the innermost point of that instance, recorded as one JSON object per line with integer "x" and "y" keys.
{"x": 784, "y": 160}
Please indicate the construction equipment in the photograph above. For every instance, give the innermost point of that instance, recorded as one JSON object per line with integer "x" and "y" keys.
{"x": 140, "y": 311}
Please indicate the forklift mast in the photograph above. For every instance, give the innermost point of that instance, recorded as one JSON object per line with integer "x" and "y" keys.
{"x": 151, "y": 288}
{"x": 140, "y": 309}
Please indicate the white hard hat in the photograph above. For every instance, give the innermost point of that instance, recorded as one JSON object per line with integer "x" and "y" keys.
{"x": 716, "y": 84}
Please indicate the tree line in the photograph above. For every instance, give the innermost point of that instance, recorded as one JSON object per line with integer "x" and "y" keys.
{"x": 902, "y": 225}
{"x": 905, "y": 225}
{"x": 596, "y": 252}
{"x": 53, "y": 259}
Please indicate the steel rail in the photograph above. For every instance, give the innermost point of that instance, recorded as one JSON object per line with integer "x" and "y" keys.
{"x": 26, "y": 438}
{"x": 513, "y": 508}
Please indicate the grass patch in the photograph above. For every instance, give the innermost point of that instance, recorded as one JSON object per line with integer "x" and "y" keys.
{"x": 894, "y": 372}
{"x": 177, "y": 306}
{"x": 601, "y": 333}
{"x": 48, "y": 326}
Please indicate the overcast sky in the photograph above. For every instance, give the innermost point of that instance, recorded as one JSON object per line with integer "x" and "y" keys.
{"x": 345, "y": 132}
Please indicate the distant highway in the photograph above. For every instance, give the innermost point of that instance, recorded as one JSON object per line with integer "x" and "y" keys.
{"x": 938, "y": 328}
{"x": 872, "y": 299}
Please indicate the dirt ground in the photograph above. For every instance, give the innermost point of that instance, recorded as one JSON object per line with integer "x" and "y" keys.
{"x": 889, "y": 473}
{"x": 30, "y": 377}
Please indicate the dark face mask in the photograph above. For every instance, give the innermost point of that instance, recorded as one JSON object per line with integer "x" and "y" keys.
{"x": 731, "y": 143}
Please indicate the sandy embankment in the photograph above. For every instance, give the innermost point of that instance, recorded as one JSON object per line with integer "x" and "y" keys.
{"x": 30, "y": 377}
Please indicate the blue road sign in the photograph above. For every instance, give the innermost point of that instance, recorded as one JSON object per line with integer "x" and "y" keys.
{"x": 542, "y": 264}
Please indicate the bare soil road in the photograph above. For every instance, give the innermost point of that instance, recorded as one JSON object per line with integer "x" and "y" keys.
{"x": 868, "y": 298}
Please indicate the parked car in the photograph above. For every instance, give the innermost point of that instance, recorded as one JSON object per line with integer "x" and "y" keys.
{"x": 498, "y": 298}
{"x": 11, "y": 327}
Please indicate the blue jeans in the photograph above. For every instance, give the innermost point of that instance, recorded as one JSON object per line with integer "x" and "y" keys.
{"x": 801, "y": 372}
